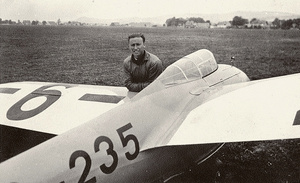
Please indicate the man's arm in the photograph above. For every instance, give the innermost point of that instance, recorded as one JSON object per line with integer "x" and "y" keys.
{"x": 130, "y": 85}
{"x": 155, "y": 69}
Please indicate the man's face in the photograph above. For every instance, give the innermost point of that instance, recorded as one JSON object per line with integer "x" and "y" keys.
{"x": 136, "y": 46}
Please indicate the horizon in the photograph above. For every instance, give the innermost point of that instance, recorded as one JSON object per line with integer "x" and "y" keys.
{"x": 160, "y": 20}
{"x": 68, "y": 10}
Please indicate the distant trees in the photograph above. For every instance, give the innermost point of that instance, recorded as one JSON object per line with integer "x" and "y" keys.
{"x": 286, "y": 24}
{"x": 181, "y": 21}
{"x": 115, "y": 24}
{"x": 197, "y": 20}
{"x": 239, "y": 21}
{"x": 297, "y": 21}
{"x": 171, "y": 22}
{"x": 253, "y": 20}
{"x": 35, "y": 22}
{"x": 7, "y": 21}
{"x": 276, "y": 23}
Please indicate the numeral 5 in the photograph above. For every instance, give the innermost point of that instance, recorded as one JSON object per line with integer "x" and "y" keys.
{"x": 128, "y": 138}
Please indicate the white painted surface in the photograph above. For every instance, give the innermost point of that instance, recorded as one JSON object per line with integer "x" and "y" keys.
{"x": 261, "y": 111}
{"x": 65, "y": 113}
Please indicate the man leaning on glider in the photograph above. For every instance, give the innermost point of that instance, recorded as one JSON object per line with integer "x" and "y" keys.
{"x": 141, "y": 67}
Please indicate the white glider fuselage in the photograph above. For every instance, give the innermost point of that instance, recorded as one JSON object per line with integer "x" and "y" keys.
{"x": 129, "y": 143}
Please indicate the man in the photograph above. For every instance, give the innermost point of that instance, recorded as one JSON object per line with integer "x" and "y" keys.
{"x": 141, "y": 67}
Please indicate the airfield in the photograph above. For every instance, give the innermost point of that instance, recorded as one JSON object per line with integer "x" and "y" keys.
{"x": 94, "y": 55}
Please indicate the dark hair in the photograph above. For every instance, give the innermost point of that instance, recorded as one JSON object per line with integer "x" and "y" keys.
{"x": 137, "y": 35}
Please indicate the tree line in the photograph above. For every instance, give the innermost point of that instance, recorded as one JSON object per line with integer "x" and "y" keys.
{"x": 277, "y": 23}
{"x": 171, "y": 22}
{"x": 6, "y": 21}
{"x": 10, "y": 22}
{"x": 238, "y": 21}
{"x": 287, "y": 24}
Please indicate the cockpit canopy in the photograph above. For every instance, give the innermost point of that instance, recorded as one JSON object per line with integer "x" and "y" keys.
{"x": 193, "y": 66}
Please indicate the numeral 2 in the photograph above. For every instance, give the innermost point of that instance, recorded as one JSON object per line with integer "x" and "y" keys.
{"x": 88, "y": 164}
{"x": 110, "y": 152}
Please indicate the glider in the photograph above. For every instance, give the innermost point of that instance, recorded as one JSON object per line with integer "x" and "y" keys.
{"x": 57, "y": 132}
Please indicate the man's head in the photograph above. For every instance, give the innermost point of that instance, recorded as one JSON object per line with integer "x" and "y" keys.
{"x": 136, "y": 44}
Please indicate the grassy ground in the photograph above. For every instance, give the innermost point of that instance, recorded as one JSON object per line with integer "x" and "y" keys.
{"x": 94, "y": 56}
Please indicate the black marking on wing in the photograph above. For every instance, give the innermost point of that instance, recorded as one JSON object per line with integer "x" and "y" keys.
{"x": 9, "y": 90}
{"x": 297, "y": 118}
{"x": 14, "y": 140}
{"x": 102, "y": 98}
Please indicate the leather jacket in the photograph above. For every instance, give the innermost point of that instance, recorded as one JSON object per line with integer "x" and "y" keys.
{"x": 140, "y": 73}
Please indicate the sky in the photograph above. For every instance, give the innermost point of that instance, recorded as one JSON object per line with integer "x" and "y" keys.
{"x": 114, "y": 9}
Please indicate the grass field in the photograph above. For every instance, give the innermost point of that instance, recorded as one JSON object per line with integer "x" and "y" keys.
{"x": 94, "y": 55}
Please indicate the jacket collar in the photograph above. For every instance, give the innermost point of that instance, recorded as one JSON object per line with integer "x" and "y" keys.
{"x": 144, "y": 58}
